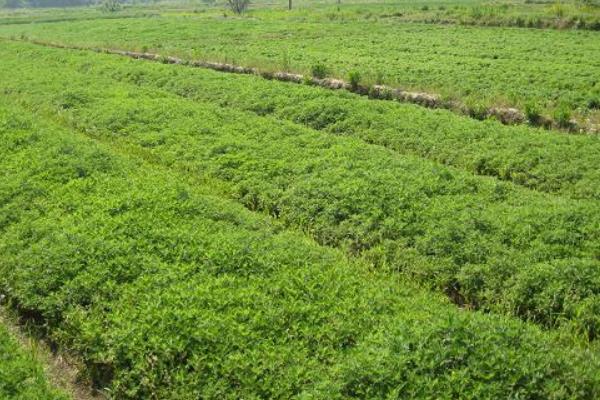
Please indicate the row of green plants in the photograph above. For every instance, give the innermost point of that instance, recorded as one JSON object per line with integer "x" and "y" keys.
{"x": 567, "y": 165}
{"x": 22, "y": 376}
{"x": 166, "y": 290}
{"x": 538, "y": 71}
{"x": 487, "y": 244}
{"x": 557, "y": 14}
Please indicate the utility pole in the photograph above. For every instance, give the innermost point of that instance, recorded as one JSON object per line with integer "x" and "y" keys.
{"x": 289, "y": 4}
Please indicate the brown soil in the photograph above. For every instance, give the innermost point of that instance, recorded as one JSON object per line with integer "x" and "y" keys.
{"x": 62, "y": 371}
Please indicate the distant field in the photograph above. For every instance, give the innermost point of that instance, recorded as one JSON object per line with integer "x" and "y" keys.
{"x": 566, "y": 14}
{"x": 569, "y": 14}
{"x": 547, "y": 72}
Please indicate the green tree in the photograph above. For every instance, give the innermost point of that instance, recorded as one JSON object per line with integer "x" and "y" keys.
{"x": 111, "y": 5}
{"x": 11, "y": 3}
{"x": 238, "y": 6}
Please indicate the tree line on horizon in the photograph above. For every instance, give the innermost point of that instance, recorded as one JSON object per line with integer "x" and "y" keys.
{"x": 60, "y": 3}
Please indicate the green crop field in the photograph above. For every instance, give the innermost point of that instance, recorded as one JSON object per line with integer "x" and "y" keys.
{"x": 543, "y": 72}
{"x": 186, "y": 233}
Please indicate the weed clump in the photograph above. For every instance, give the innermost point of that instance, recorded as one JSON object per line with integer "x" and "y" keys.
{"x": 532, "y": 113}
{"x": 354, "y": 78}
{"x": 562, "y": 116}
{"x": 478, "y": 111}
{"x": 379, "y": 77}
{"x": 319, "y": 71}
{"x": 593, "y": 103}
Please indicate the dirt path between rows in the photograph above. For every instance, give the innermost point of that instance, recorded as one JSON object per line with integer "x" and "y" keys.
{"x": 61, "y": 370}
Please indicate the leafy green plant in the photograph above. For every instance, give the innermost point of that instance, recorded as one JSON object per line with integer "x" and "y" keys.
{"x": 379, "y": 77}
{"x": 532, "y": 113}
{"x": 558, "y": 9}
{"x": 478, "y": 110}
{"x": 354, "y": 78}
{"x": 562, "y": 116}
{"x": 319, "y": 71}
{"x": 285, "y": 61}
